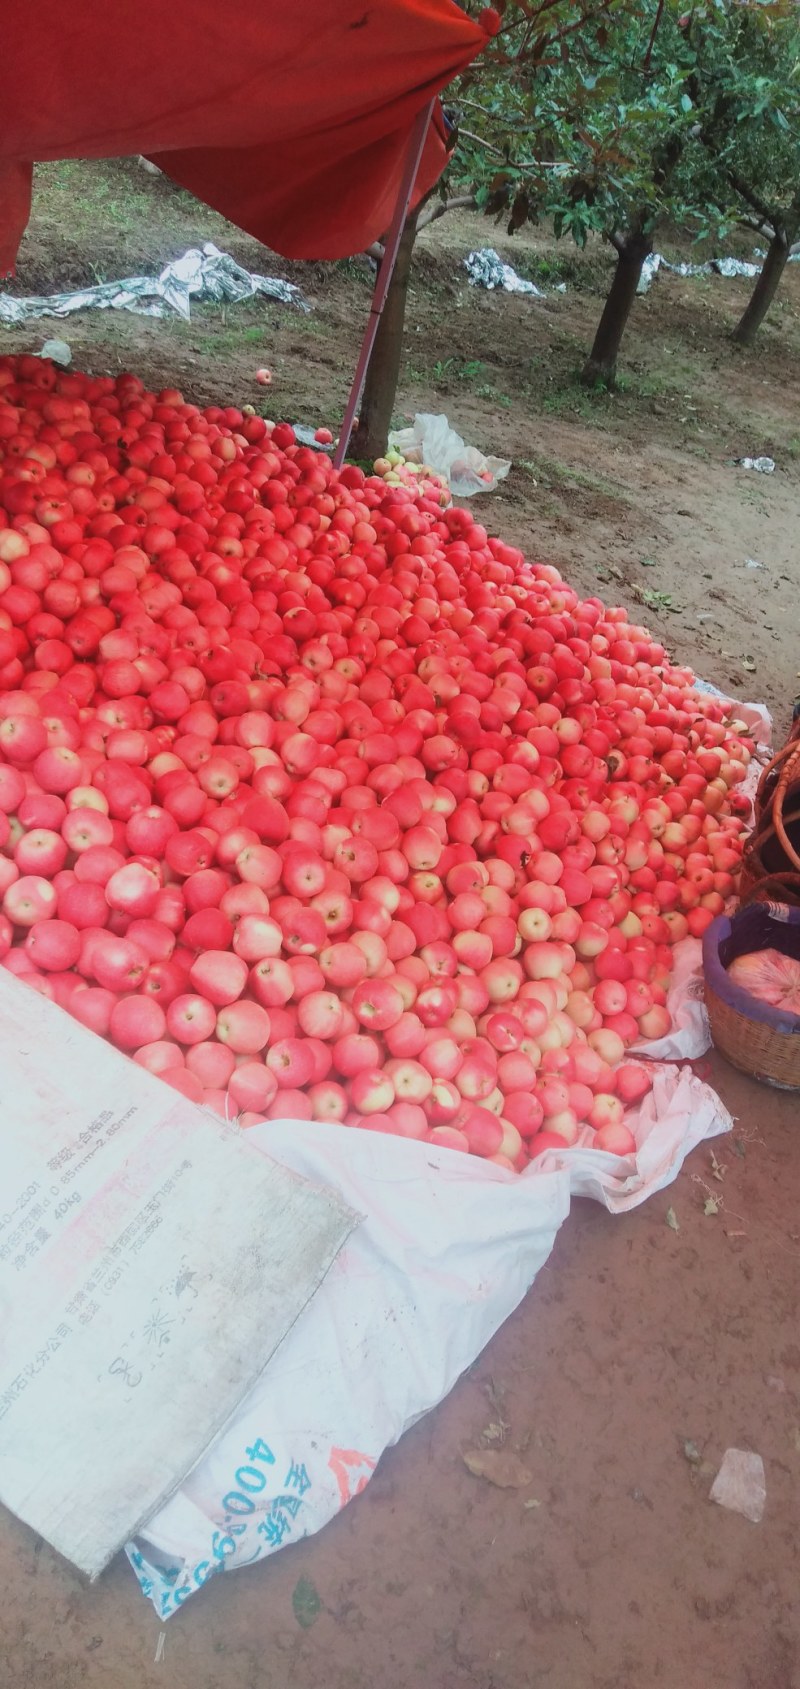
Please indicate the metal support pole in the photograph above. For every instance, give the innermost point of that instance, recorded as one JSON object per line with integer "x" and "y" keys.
{"x": 385, "y": 272}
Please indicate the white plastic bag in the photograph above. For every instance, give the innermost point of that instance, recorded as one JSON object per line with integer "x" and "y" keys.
{"x": 486, "y": 269}
{"x": 756, "y": 717}
{"x": 689, "y": 1036}
{"x": 447, "y": 1249}
{"x": 431, "y": 440}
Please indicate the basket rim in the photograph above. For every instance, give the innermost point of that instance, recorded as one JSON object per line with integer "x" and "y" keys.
{"x": 718, "y": 980}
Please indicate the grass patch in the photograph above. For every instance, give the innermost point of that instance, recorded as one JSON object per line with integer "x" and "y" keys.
{"x": 490, "y": 393}
{"x": 446, "y": 375}
{"x": 448, "y": 370}
{"x": 567, "y": 396}
{"x": 356, "y": 269}
{"x": 116, "y": 195}
{"x": 314, "y": 326}
{"x": 223, "y": 338}
{"x": 550, "y": 269}
{"x": 553, "y": 472}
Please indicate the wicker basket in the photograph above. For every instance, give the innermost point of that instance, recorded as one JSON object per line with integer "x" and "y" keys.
{"x": 756, "y": 1038}
{"x": 771, "y": 862}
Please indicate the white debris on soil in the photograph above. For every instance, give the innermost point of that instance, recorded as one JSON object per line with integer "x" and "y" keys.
{"x": 206, "y": 274}
{"x": 740, "y": 1484}
{"x": 58, "y": 351}
{"x": 486, "y": 269}
{"x": 764, "y": 465}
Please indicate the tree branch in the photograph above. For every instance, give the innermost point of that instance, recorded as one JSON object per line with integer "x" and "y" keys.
{"x": 461, "y": 202}
{"x": 486, "y": 145}
{"x": 709, "y": 137}
{"x": 617, "y": 240}
{"x": 531, "y": 165}
{"x": 532, "y": 15}
{"x": 653, "y": 33}
{"x": 767, "y": 213}
{"x": 494, "y": 117}
{"x": 757, "y": 225}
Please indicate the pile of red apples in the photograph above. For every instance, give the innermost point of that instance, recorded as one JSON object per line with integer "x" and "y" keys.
{"x": 321, "y": 803}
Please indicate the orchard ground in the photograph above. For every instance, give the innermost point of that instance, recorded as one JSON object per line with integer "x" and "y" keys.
{"x": 649, "y": 1343}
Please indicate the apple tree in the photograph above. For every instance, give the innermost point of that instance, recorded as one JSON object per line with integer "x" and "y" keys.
{"x": 746, "y": 88}
{"x": 533, "y": 33}
{"x": 608, "y": 145}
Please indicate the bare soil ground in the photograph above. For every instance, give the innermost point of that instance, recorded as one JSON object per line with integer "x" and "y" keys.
{"x": 637, "y": 1339}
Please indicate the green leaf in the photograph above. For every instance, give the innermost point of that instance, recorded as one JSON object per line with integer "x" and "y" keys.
{"x": 646, "y": 124}
{"x": 306, "y": 1603}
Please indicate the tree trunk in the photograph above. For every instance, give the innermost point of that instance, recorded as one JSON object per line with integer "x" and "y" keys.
{"x": 601, "y": 365}
{"x": 764, "y": 291}
{"x": 371, "y": 437}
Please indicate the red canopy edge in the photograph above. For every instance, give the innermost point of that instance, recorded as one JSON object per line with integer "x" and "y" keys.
{"x": 293, "y": 121}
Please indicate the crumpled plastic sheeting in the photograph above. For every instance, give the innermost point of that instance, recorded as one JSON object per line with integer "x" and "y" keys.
{"x": 764, "y": 465}
{"x": 447, "y": 1249}
{"x": 308, "y": 437}
{"x": 209, "y": 274}
{"x": 793, "y": 258}
{"x": 431, "y": 440}
{"x": 58, "y": 351}
{"x": 714, "y": 266}
{"x": 486, "y": 269}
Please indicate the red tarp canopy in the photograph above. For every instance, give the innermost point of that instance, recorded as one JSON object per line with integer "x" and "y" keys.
{"x": 293, "y": 120}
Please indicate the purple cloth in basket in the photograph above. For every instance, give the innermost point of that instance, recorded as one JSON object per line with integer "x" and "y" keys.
{"x": 760, "y": 926}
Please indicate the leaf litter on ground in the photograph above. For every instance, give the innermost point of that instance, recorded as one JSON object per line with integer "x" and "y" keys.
{"x": 501, "y": 1467}
{"x": 306, "y": 1603}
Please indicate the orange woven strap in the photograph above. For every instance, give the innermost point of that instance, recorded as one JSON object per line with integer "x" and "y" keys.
{"x": 782, "y": 888}
{"x": 764, "y": 828}
{"x": 762, "y": 831}
{"x": 771, "y": 768}
{"x": 791, "y": 768}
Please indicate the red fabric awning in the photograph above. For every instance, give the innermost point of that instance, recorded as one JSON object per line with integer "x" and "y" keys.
{"x": 290, "y": 119}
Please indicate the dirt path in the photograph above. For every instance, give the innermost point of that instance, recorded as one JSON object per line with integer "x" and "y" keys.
{"x": 637, "y": 1339}
{"x": 636, "y": 1342}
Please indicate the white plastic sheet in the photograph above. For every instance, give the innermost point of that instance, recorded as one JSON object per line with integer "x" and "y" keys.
{"x": 431, "y": 440}
{"x": 206, "y": 274}
{"x": 447, "y": 1249}
{"x": 487, "y": 269}
{"x": 151, "y": 1261}
{"x": 688, "y": 1037}
{"x": 728, "y": 267}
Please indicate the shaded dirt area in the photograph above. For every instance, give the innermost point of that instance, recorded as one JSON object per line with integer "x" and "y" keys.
{"x": 611, "y": 1570}
{"x": 640, "y": 1346}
